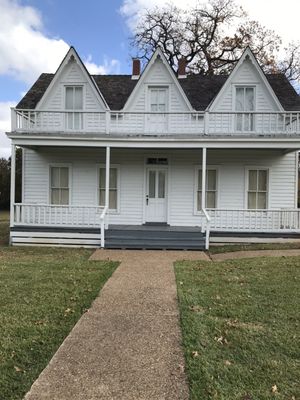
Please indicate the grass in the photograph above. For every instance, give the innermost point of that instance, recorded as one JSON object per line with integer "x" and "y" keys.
{"x": 43, "y": 292}
{"x": 253, "y": 246}
{"x": 240, "y": 323}
{"x": 4, "y": 227}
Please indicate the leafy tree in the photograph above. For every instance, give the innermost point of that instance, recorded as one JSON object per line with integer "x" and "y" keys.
{"x": 204, "y": 36}
{"x": 5, "y": 166}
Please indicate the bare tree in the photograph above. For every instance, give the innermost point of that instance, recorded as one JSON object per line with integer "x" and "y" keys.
{"x": 204, "y": 35}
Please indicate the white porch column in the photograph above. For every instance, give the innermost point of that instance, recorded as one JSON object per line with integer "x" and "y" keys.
{"x": 12, "y": 183}
{"x": 203, "y": 193}
{"x": 107, "y": 170}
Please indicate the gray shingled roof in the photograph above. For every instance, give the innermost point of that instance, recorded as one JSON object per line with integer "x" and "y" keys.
{"x": 199, "y": 89}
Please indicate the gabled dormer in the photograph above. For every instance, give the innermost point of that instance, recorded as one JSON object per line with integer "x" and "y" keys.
{"x": 72, "y": 88}
{"x": 158, "y": 89}
{"x": 246, "y": 89}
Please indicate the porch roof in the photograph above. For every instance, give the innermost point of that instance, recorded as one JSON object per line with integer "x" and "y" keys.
{"x": 284, "y": 142}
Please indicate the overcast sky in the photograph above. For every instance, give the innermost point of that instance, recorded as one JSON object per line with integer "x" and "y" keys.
{"x": 36, "y": 34}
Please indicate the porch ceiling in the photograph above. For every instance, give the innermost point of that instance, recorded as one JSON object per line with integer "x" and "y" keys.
{"x": 285, "y": 143}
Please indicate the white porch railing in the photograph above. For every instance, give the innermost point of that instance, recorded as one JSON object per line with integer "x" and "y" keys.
{"x": 150, "y": 123}
{"x": 57, "y": 215}
{"x": 237, "y": 220}
{"x": 206, "y": 227}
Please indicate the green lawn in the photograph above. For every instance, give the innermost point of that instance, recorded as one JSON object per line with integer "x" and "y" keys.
{"x": 4, "y": 227}
{"x": 241, "y": 326}
{"x": 253, "y": 246}
{"x": 43, "y": 292}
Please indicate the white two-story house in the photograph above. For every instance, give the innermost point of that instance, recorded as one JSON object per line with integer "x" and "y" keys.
{"x": 156, "y": 159}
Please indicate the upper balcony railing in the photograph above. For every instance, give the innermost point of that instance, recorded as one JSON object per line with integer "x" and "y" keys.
{"x": 155, "y": 123}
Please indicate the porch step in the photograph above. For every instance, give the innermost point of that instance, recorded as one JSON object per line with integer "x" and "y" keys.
{"x": 154, "y": 239}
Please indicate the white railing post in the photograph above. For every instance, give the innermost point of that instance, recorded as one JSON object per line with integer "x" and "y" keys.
{"x": 106, "y": 206}
{"x": 13, "y": 118}
{"x": 107, "y": 122}
{"x": 203, "y": 188}
{"x": 206, "y": 122}
{"x": 12, "y": 184}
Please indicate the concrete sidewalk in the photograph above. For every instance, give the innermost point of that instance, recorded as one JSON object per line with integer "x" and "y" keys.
{"x": 128, "y": 346}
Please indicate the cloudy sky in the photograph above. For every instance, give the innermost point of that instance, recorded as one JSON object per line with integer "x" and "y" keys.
{"x": 36, "y": 34}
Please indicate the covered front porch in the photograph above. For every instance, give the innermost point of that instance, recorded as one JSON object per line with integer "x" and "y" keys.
{"x": 174, "y": 180}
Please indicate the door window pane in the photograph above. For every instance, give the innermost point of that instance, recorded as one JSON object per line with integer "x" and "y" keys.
{"x": 152, "y": 182}
{"x": 161, "y": 184}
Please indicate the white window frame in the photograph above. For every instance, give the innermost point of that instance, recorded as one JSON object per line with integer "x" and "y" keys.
{"x": 74, "y": 84}
{"x": 197, "y": 171}
{"x": 256, "y": 167}
{"x": 235, "y": 87}
{"x": 117, "y": 166}
{"x": 60, "y": 165}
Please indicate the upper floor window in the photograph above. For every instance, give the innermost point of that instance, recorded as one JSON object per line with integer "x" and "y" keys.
{"x": 257, "y": 196}
{"x": 158, "y": 99}
{"x": 74, "y": 101}
{"x": 59, "y": 185}
{"x": 245, "y": 104}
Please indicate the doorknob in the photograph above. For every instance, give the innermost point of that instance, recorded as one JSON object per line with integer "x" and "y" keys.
{"x": 147, "y": 199}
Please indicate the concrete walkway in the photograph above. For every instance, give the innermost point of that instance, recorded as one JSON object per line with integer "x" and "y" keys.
{"x": 128, "y": 346}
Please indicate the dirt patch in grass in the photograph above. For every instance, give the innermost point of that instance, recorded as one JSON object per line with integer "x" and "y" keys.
{"x": 240, "y": 323}
{"x": 43, "y": 292}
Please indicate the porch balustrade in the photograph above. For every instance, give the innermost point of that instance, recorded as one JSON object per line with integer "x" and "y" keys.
{"x": 237, "y": 220}
{"x": 57, "y": 215}
{"x": 231, "y": 220}
{"x": 155, "y": 123}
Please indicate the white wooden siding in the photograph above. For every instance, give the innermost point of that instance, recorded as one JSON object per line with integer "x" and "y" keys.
{"x": 182, "y": 163}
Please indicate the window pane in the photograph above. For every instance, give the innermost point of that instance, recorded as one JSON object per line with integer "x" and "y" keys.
{"x": 262, "y": 180}
{"x": 252, "y": 185}
{"x": 211, "y": 180}
{"x": 55, "y": 177}
{"x": 113, "y": 199}
{"x": 55, "y": 196}
{"x": 102, "y": 198}
{"x": 239, "y": 99}
{"x": 64, "y": 196}
{"x": 64, "y": 177}
{"x": 113, "y": 178}
{"x": 211, "y": 199}
{"x": 262, "y": 200}
{"x": 199, "y": 200}
{"x": 152, "y": 176}
{"x": 77, "y": 121}
{"x": 249, "y": 99}
{"x": 251, "y": 200}
{"x": 102, "y": 178}
{"x": 161, "y": 184}
{"x": 69, "y": 120}
{"x": 69, "y": 98}
{"x": 199, "y": 179}
{"x": 78, "y": 100}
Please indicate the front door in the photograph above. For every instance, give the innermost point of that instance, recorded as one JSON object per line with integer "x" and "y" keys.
{"x": 156, "y": 195}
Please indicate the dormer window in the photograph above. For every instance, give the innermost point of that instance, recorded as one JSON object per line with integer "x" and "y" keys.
{"x": 158, "y": 105}
{"x": 245, "y": 105}
{"x": 74, "y": 103}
